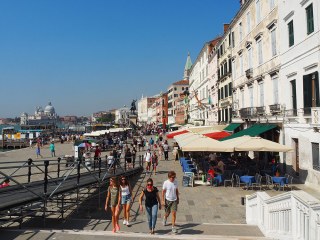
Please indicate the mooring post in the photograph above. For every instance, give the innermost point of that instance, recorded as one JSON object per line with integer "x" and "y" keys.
{"x": 99, "y": 165}
{"x": 29, "y": 169}
{"x": 59, "y": 160}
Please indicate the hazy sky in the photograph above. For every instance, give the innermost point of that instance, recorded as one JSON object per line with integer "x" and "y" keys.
{"x": 91, "y": 55}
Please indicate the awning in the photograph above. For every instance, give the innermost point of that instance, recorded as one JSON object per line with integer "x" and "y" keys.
{"x": 253, "y": 131}
{"x": 175, "y": 133}
{"x": 204, "y": 144}
{"x": 232, "y": 126}
{"x": 217, "y": 135}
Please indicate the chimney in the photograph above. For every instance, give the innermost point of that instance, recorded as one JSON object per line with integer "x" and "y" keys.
{"x": 225, "y": 27}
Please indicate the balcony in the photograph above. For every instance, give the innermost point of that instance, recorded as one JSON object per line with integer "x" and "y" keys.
{"x": 291, "y": 113}
{"x": 260, "y": 111}
{"x": 249, "y": 112}
{"x": 249, "y": 73}
{"x": 275, "y": 109}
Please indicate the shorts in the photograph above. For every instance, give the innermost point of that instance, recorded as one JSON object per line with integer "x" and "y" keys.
{"x": 170, "y": 206}
{"x": 126, "y": 199}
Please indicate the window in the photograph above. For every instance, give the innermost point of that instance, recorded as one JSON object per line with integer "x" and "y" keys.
{"x": 222, "y": 94}
{"x": 232, "y": 39}
{"x": 242, "y": 98}
{"x": 315, "y": 156}
{"x": 261, "y": 91}
{"x": 241, "y": 65}
{"x": 251, "y": 95}
{"x": 275, "y": 89}
{"x": 207, "y": 92}
{"x": 248, "y": 22}
{"x": 230, "y": 89}
{"x": 175, "y": 89}
{"x": 258, "y": 11}
{"x": 293, "y": 95}
{"x": 260, "y": 57}
{"x": 273, "y": 42}
{"x": 310, "y": 23}
{"x": 240, "y": 31}
{"x": 182, "y": 88}
{"x": 233, "y": 69}
{"x": 226, "y": 94}
{"x": 250, "y": 57}
{"x": 311, "y": 91}
{"x": 271, "y": 2}
{"x": 291, "y": 33}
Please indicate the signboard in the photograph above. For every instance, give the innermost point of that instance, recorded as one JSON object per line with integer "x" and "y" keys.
{"x": 76, "y": 152}
{"x": 187, "y": 179}
{"x": 30, "y": 135}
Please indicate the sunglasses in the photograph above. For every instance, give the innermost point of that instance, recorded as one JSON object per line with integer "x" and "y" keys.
{"x": 149, "y": 184}
{"x": 123, "y": 179}
{"x": 173, "y": 177}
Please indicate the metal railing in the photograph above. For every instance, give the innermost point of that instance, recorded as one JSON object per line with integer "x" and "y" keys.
{"x": 38, "y": 183}
{"x": 247, "y": 112}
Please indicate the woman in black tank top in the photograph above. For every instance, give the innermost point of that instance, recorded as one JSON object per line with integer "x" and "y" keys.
{"x": 152, "y": 203}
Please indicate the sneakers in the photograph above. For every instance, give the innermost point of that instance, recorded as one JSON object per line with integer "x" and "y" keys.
{"x": 127, "y": 223}
{"x": 124, "y": 222}
{"x": 174, "y": 230}
{"x": 164, "y": 221}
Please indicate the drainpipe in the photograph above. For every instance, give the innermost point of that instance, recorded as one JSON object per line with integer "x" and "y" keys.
{"x": 284, "y": 140}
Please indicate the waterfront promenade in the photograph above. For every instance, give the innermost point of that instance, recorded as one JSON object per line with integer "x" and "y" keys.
{"x": 204, "y": 212}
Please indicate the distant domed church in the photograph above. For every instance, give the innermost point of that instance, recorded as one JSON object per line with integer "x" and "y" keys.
{"x": 47, "y": 116}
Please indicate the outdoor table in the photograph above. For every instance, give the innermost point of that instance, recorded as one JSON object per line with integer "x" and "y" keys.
{"x": 281, "y": 180}
{"x": 248, "y": 180}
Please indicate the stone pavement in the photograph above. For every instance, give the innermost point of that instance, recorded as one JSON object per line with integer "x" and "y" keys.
{"x": 204, "y": 212}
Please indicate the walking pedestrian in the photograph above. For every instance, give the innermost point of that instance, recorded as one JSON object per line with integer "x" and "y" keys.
{"x": 166, "y": 150}
{"x": 52, "y": 149}
{"x": 170, "y": 199}
{"x": 114, "y": 197}
{"x": 154, "y": 160}
{"x": 126, "y": 197}
{"x": 152, "y": 203}
{"x": 147, "y": 158}
{"x": 38, "y": 151}
{"x": 128, "y": 158}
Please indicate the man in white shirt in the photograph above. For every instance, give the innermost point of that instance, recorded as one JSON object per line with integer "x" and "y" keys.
{"x": 147, "y": 158}
{"x": 170, "y": 198}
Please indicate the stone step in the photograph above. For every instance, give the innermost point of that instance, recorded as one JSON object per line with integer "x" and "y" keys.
{"x": 97, "y": 235}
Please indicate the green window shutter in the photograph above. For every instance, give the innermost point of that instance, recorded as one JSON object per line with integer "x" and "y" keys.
{"x": 291, "y": 33}
{"x": 317, "y": 89}
{"x": 310, "y": 23}
{"x": 307, "y": 88}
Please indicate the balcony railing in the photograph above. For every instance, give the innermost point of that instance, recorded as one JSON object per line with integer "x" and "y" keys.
{"x": 247, "y": 112}
{"x": 275, "y": 109}
{"x": 291, "y": 113}
{"x": 260, "y": 111}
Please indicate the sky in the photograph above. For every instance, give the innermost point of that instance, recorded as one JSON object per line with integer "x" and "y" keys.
{"x": 86, "y": 56}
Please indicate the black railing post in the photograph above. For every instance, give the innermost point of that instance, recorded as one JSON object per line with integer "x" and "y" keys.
{"x": 29, "y": 169}
{"x": 125, "y": 164}
{"x": 99, "y": 165}
{"x": 59, "y": 160}
{"x": 78, "y": 180}
{"x": 133, "y": 160}
{"x": 45, "y": 190}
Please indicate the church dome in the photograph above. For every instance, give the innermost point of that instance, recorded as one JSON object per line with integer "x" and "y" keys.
{"x": 49, "y": 109}
{"x": 24, "y": 114}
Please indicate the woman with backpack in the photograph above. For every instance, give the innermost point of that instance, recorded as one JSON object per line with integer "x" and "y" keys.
{"x": 114, "y": 196}
{"x": 152, "y": 203}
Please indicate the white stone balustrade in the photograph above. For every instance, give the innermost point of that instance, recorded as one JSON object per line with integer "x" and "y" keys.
{"x": 289, "y": 216}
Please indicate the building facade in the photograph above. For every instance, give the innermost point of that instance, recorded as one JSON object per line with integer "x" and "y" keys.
{"x": 161, "y": 110}
{"x": 174, "y": 92}
{"x": 299, "y": 74}
{"x": 256, "y": 62}
{"x": 42, "y": 117}
{"x": 144, "y": 109}
{"x": 198, "y": 112}
{"x": 224, "y": 76}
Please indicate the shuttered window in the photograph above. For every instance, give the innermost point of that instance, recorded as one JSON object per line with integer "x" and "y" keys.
{"x": 273, "y": 42}
{"x": 310, "y": 23}
{"x": 291, "y": 33}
